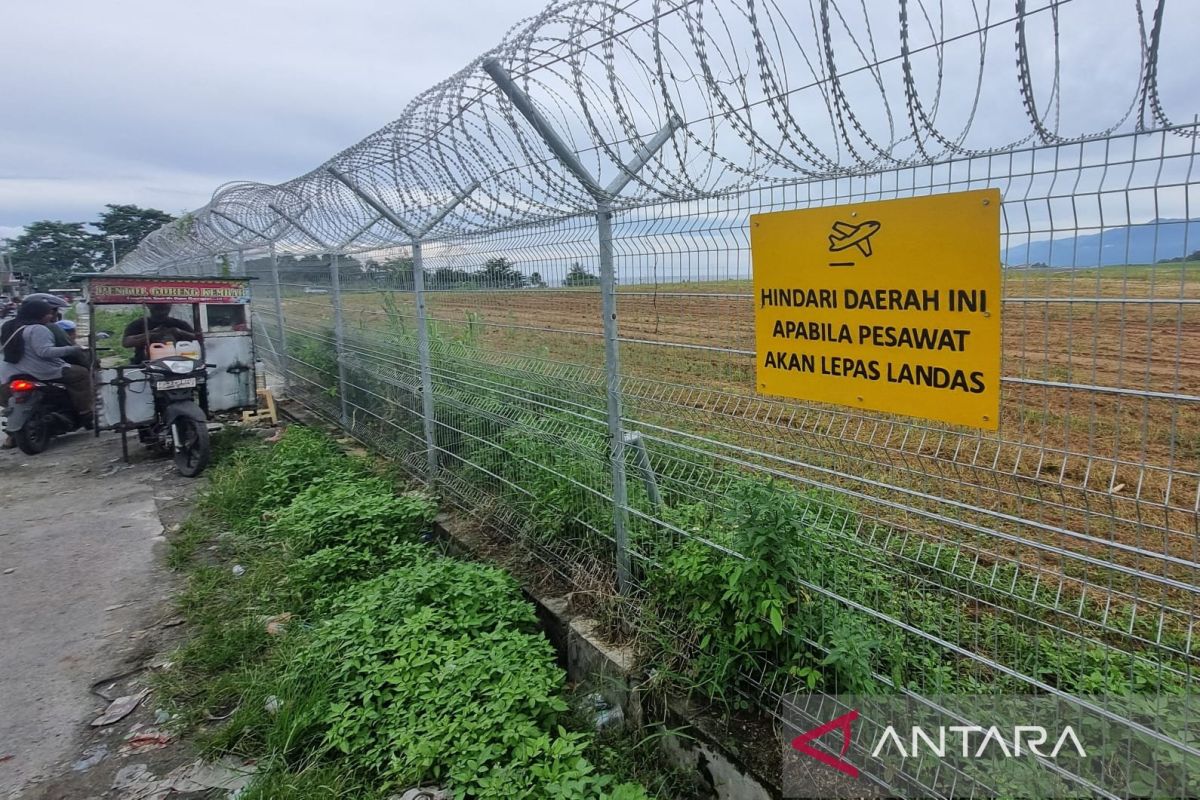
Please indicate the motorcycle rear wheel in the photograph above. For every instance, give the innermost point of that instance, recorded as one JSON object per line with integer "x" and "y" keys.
{"x": 34, "y": 435}
{"x": 192, "y": 456}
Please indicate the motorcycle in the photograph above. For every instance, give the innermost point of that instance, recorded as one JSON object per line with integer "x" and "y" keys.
{"x": 38, "y": 410}
{"x": 179, "y": 427}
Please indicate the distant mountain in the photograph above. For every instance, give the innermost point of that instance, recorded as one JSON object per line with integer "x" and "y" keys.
{"x": 1146, "y": 243}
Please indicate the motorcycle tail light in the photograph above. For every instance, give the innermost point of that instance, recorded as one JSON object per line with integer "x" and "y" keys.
{"x": 22, "y": 386}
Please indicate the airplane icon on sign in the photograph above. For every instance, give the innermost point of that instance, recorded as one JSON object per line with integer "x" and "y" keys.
{"x": 846, "y": 235}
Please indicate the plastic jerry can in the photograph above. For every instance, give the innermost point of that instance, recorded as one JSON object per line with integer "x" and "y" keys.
{"x": 161, "y": 350}
{"x": 188, "y": 349}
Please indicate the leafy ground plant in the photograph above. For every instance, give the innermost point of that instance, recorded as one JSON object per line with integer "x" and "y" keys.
{"x": 397, "y": 666}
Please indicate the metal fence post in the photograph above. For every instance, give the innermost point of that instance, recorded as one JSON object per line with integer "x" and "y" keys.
{"x": 427, "y": 405}
{"x": 284, "y": 363}
{"x": 416, "y": 235}
{"x": 608, "y": 296}
{"x": 339, "y": 337}
{"x": 612, "y": 385}
{"x": 608, "y": 280}
{"x": 281, "y": 351}
{"x": 336, "y": 286}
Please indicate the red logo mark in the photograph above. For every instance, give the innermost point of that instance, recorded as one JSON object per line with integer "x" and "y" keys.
{"x": 843, "y": 722}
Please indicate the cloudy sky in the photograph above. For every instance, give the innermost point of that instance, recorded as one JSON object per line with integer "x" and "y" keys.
{"x": 159, "y": 103}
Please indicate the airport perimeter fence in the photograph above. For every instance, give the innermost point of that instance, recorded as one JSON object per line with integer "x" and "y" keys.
{"x": 565, "y": 347}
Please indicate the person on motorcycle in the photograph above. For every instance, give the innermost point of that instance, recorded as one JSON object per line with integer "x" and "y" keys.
{"x": 70, "y": 329}
{"x": 52, "y": 300}
{"x": 159, "y": 326}
{"x": 61, "y": 336}
{"x": 29, "y": 349}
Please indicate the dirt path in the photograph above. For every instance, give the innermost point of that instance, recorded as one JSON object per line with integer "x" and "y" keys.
{"x": 83, "y": 593}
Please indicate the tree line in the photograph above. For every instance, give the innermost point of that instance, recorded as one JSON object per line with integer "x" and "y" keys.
{"x": 496, "y": 273}
{"x": 48, "y": 252}
{"x": 1194, "y": 256}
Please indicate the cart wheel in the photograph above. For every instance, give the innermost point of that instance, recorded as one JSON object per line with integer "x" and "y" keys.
{"x": 34, "y": 435}
{"x": 192, "y": 456}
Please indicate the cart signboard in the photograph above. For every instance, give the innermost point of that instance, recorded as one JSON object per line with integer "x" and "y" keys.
{"x": 113, "y": 290}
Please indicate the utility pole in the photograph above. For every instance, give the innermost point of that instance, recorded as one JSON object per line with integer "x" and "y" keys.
{"x": 112, "y": 240}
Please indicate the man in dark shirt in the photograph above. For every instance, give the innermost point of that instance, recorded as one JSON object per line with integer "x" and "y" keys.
{"x": 159, "y": 326}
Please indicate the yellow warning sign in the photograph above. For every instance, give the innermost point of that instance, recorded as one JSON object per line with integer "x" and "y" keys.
{"x": 891, "y": 306}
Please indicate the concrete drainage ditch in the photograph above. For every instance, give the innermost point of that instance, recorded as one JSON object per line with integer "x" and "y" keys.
{"x": 612, "y": 672}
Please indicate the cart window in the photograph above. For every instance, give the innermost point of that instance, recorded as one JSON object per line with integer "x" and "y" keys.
{"x": 226, "y": 317}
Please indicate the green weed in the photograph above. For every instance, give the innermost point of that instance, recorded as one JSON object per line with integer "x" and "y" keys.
{"x": 344, "y": 508}
{"x": 399, "y": 667}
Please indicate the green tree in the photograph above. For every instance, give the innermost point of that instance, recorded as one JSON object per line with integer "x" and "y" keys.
{"x": 536, "y": 281}
{"x": 313, "y": 269}
{"x": 50, "y": 251}
{"x": 500, "y": 273}
{"x": 578, "y": 276}
{"x": 450, "y": 277}
{"x": 132, "y": 222}
{"x": 396, "y": 271}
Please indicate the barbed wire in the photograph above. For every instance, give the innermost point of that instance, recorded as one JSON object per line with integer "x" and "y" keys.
{"x": 763, "y": 95}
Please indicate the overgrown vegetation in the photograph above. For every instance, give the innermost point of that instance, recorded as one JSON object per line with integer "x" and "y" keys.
{"x": 767, "y": 587}
{"x": 741, "y": 594}
{"x": 748, "y": 584}
{"x": 752, "y": 586}
{"x": 352, "y": 659}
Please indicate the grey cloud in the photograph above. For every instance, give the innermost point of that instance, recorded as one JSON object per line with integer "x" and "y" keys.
{"x": 158, "y": 104}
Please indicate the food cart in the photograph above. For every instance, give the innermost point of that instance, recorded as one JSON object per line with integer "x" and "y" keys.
{"x": 219, "y": 312}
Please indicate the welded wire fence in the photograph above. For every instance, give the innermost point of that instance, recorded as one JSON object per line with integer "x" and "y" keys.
{"x": 576, "y": 365}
